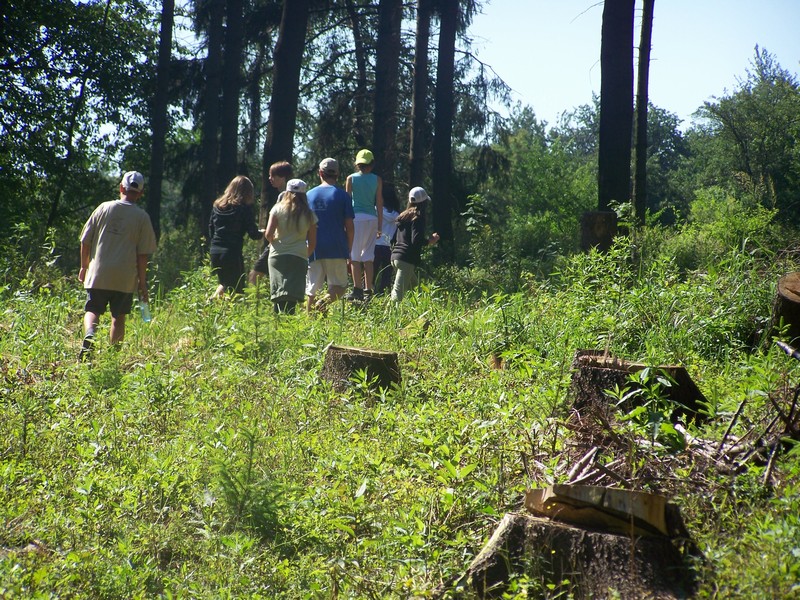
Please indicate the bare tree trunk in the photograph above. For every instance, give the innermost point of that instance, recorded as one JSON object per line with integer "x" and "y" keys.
{"x": 361, "y": 93}
{"x": 211, "y": 107}
{"x": 642, "y": 83}
{"x": 254, "y": 99}
{"x": 616, "y": 103}
{"x": 443, "y": 128}
{"x": 231, "y": 89}
{"x": 285, "y": 93}
{"x": 419, "y": 104}
{"x": 387, "y": 72}
{"x": 159, "y": 121}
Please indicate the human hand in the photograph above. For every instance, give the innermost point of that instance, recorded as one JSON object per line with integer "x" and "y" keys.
{"x": 82, "y": 274}
{"x": 434, "y": 239}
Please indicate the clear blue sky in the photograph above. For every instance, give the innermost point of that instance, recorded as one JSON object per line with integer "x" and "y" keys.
{"x": 548, "y": 51}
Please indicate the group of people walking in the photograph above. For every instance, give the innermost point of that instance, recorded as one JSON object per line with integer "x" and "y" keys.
{"x": 312, "y": 234}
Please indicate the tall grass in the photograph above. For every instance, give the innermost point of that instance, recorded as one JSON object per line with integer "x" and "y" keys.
{"x": 206, "y": 459}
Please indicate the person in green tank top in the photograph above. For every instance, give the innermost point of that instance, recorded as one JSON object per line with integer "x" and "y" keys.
{"x": 366, "y": 189}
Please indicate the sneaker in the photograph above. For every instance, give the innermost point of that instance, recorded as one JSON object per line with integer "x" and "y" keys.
{"x": 357, "y": 295}
{"x": 86, "y": 347}
{"x": 368, "y": 295}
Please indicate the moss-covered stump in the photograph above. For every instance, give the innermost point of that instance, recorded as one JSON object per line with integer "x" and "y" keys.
{"x": 584, "y": 563}
{"x": 594, "y": 372}
{"x": 786, "y": 306}
{"x": 342, "y": 364}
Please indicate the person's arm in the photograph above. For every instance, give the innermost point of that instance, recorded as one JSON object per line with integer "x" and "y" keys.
{"x": 141, "y": 268}
{"x": 311, "y": 238}
{"x": 348, "y": 229}
{"x": 86, "y": 256}
{"x": 379, "y": 204}
{"x": 272, "y": 227}
{"x": 250, "y": 223}
{"x": 348, "y": 185}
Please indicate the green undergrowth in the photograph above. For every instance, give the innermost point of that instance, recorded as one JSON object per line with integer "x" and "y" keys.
{"x": 205, "y": 458}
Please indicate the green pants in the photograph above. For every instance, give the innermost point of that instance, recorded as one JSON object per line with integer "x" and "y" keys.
{"x": 405, "y": 278}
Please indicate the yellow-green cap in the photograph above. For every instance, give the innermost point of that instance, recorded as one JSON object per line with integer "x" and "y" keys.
{"x": 364, "y": 157}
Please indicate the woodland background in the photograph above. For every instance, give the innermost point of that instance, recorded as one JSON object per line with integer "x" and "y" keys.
{"x": 194, "y": 93}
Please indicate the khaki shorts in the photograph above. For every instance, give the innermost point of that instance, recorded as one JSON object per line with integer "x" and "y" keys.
{"x": 334, "y": 270}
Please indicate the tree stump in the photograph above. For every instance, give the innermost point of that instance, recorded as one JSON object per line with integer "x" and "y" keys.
{"x": 342, "y": 363}
{"x": 595, "y": 371}
{"x": 598, "y": 230}
{"x": 585, "y": 563}
{"x": 786, "y": 306}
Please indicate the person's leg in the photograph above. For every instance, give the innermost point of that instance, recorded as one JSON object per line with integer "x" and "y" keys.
{"x": 260, "y": 268}
{"x": 382, "y": 269}
{"x": 120, "y": 304}
{"x": 368, "y": 276}
{"x": 219, "y": 292}
{"x": 336, "y": 273}
{"x": 336, "y": 291}
{"x": 358, "y": 281}
{"x": 96, "y": 302}
{"x": 404, "y": 280}
{"x": 90, "y": 322}
{"x": 314, "y": 278}
{"x": 117, "y": 329}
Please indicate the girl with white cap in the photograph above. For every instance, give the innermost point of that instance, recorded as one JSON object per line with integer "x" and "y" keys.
{"x": 292, "y": 235}
{"x": 409, "y": 241}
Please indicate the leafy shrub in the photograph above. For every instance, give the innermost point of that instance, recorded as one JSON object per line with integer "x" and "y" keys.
{"x": 719, "y": 224}
{"x": 179, "y": 251}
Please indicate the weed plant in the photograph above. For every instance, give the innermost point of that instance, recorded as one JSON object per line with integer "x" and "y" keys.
{"x": 205, "y": 458}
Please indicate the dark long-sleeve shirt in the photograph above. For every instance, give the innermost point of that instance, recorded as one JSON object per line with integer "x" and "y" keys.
{"x": 227, "y": 228}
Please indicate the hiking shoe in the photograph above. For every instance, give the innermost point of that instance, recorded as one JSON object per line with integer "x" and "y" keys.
{"x": 86, "y": 347}
{"x": 357, "y": 295}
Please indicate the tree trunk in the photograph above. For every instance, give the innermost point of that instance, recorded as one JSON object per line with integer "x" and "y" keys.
{"x": 254, "y": 99}
{"x": 786, "y": 307}
{"x": 642, "y": 83}
{"x": 443, "y": 129}
{"x": 211, "y": 107}
{"x": 616, "y": 103}
{"x": 419, "y": 104}
{"x": 581, "y": 563}
{"x": 159, "y": 120}
{"x": 598, "y": 230}
{"x": 387, "y": 72}
{"x": 231, "y": 88}
{"x": 288, "y": 61}
{"x": 361, "y": 94}
{"x": 342, "y": 364}
{"x": 594, "y": 372}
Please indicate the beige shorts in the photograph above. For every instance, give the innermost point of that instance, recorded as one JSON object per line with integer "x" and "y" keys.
{"x": 334, "y": 270}
{"x": 365, "y": 233}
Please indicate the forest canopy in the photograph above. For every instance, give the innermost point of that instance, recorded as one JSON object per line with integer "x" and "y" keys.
{"x": 194, "y": 93}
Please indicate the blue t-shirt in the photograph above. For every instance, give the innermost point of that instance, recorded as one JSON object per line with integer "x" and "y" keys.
{"x": 333, "y": 206}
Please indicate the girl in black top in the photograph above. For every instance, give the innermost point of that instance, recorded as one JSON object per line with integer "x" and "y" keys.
{"x": 409, "y": 241}
{"x": 231, "y": 218}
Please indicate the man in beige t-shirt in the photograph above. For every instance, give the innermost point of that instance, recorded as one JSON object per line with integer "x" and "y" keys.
{"x": 115, "y": 244}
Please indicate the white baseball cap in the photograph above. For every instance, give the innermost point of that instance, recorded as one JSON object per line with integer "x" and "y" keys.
{"x": 133, "y": 180}
{"x": 296, "y": 186}
{"x": 417, "y": 195}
